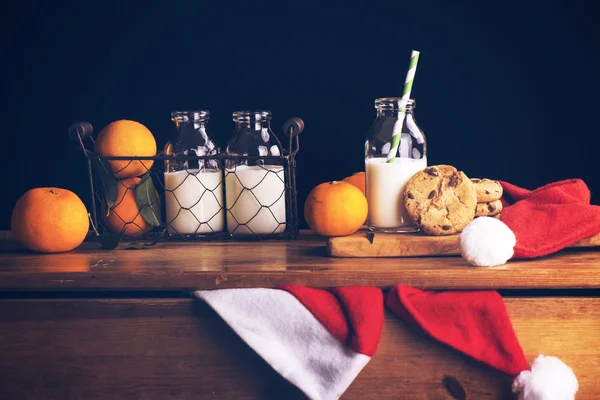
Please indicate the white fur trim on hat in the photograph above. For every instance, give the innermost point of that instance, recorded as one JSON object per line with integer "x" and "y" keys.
{"x": 549, "y": 379}
{"x": 487, "y": 242}
{"x": 289, "y": 338}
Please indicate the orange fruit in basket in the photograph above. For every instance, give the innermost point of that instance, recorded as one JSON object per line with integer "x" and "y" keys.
{"x": 50, "y": 220}
{"x": 358, "y": 179}
{"x": 124, "y": 138}
{"x": 335, "y": 209}
{"x": 125, "y": 215}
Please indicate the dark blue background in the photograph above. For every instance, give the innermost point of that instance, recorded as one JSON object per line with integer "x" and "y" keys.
{"x": 506, "y": 91}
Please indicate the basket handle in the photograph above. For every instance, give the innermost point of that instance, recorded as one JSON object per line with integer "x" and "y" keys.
{"x": 292, "y": 128}
{"x": 80, "y": 131}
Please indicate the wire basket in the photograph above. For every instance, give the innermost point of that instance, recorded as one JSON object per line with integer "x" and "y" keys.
{"x": 254, "y": 200}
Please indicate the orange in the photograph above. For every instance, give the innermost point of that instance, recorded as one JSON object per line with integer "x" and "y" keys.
{"x": 126, "y": 138}
{"x": 125, "y": 215}
{"x": 335, "y": 209}
{"x": 357, "y": 179}
{"x": 50, "y": 220}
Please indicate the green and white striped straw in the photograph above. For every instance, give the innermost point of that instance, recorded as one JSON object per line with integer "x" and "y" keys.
{"x": 397, "y": 132}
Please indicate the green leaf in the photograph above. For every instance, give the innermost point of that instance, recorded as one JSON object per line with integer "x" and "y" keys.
{"x": 157, "y": 239}
{"x": 147, "y": 200}
{"x": 110, "y": 240}
{"x": 109, "y": 182}
{"x": 370, "y": 237}
{"x": 139, "y": 246}
{"x": 131, "y": 246}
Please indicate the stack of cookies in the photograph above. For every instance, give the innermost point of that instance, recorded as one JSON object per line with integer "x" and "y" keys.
{"x": 489, "y": 193}
{"x": 441, "y": 200}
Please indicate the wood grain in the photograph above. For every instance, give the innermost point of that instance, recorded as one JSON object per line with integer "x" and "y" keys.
{"x": 180, "y": 349}
{"x": 210, "y": 265}
{"x": 406, "y": 245}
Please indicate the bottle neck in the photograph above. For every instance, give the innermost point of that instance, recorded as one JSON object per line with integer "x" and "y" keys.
{"x": 253, "y": 124}
{"x": 252, "y": 120}
{"x": 186, "y": 122}
{"x": 392, "y": 106}
{"x": 195, "y": 119}
{"x": 391, "y": 112}
{"x": 196, "y": 125}
{"x": 192, "y": 133}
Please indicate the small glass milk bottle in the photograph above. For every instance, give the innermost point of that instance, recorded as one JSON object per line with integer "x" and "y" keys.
{"x": 387, "y": 174}
{"x": 254, "y": 188}
{"x": 194, "y": 187}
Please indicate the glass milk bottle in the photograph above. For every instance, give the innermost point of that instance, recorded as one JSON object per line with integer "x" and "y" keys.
{"x": 386, "y": 179}
{"x": 193, "y": 187}
{"x": 254, "y": 188}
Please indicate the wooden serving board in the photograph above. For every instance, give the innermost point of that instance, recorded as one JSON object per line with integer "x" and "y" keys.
{"x": 406, "y": 245}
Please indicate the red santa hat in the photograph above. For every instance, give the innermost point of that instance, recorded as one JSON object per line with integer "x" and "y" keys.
{"x": 318, "y": 340}
{"x": 476, "y": 323}
{"x": 533, "y": 224}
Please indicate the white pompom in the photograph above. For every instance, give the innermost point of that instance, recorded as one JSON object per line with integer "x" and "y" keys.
{"x": 549, "y": 379}
{"x": 487, "y": 242}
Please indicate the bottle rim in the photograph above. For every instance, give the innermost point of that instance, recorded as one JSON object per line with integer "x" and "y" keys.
{"x": 257, "y": 114}
{"x": 395, "y": 101}
{"x": 193, "y": 115}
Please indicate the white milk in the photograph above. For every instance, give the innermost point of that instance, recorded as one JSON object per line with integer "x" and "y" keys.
{"x": 267, "y": 184}
{"x": 385, "y": 187}
{"x": 191, "y": 189}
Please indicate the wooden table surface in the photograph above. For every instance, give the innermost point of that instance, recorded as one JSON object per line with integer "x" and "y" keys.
{"x": 99, "y": 324}
{"x": 210, "y": 265}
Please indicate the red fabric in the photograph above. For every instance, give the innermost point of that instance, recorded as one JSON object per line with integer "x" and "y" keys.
{"x": 549, "y": 218}
{"x": 325, "y": 307}
{"x": 353, "y": 314}
{"x": 364, "y": 310}
{"x": 473, "y": 322}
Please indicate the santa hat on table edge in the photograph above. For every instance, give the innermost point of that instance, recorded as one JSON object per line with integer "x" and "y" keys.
{"x": 477, "y": 324}
{"x": 320, "y": 340}
{"x": 533, "y": 223}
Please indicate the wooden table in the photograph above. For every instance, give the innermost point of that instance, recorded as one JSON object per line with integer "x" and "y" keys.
{"x": 120, "y": 324}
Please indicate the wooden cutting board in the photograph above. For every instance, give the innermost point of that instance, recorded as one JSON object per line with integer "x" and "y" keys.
{"x": 406, "y": 245}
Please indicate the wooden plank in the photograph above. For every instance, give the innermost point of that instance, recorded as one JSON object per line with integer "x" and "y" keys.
{"x": 180, "y": 349}
{"x": 210, "y": 265}
{"x": 406, "y": 245}
{"x": 126, "y": 349}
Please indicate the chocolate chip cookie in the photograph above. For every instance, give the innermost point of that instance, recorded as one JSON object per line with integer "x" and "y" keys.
{"x": 487, "y": 190}
{"x": 488, "y": 209}
{"x": 440, "y": 199}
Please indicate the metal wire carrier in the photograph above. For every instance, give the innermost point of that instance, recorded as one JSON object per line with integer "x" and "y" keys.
{"x": 256, "y": 199}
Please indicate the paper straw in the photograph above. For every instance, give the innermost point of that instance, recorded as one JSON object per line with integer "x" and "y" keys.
{"x": 397, "y": 132}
